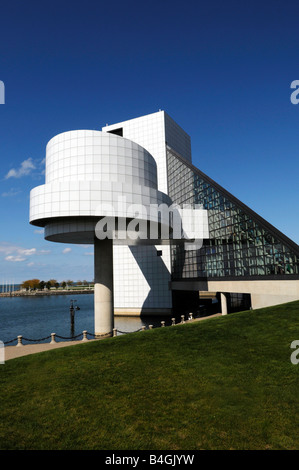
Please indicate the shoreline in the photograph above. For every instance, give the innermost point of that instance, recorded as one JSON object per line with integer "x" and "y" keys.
{"x": 42, "y": 293}
{"x": 13, "y": 352}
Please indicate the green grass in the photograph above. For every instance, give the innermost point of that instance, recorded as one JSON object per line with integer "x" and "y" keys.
{"x": 222, "y": 383}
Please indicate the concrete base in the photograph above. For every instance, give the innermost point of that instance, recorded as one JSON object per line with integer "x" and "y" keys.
{"x": 264, "y": 293}
{"x": 103, "y": 287}
{"x": 140, "y": 312}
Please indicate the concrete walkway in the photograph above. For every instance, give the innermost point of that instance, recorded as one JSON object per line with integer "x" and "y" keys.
{"x": 12, "y": 352}
{"x": 209, "y": 316}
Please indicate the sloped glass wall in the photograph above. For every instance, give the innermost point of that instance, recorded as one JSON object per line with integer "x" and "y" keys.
{"x": 241, "y": 243}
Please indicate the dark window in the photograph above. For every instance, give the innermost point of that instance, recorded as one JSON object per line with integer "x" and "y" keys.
{"x": 117, "y": 132}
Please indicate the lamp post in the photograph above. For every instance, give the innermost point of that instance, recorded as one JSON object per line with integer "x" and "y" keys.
{"x": 72, "y": 315}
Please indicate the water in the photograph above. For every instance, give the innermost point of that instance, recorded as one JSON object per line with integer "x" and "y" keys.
{"x": 9, "y": 287}
{"x": 37, "y": 317}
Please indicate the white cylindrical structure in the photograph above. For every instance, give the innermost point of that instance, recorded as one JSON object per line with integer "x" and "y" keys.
{"x": 87, "y": 173}
{"x": 223, "y": 304}
{"x": 103, "y": 287}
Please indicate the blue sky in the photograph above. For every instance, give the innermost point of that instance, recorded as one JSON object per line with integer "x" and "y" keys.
{"x": 222, "y": 70}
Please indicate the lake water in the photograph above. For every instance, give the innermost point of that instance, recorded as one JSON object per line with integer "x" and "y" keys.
{"x": 37, "y": 317}
{"x": 9, "y": 287}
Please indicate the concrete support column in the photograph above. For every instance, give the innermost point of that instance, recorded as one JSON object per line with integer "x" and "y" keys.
{"x": 103, "y": 287}
{"x": 223, "y": 304}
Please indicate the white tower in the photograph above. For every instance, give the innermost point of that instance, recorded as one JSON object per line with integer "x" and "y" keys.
{"x": 86, "y": 174}
{"x": 143, "y": 274}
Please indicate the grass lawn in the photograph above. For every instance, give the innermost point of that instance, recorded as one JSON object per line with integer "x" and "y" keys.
{"x": 221, "y": 383}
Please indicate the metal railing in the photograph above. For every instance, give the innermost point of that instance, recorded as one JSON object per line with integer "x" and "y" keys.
{"x": 85, "y": 334}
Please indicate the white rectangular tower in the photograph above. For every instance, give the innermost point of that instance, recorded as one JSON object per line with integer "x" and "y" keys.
{"x": 142, "y": 274}
{"x": 153, "y": 132}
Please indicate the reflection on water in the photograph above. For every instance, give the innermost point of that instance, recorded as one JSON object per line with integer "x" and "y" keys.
{"x": 37, "y": 317}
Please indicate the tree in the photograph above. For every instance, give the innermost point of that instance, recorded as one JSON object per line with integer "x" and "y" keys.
{"x": 63, "y": 284}
{"x": 31, "y": 284}
{"x": 25, "y": 285}
{"x": 41, "y": 285}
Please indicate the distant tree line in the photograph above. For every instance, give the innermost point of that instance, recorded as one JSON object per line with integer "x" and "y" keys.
{"x": 36, "y": 284}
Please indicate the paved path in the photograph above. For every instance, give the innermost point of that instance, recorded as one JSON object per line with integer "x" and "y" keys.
{"x": 11, "y": 352}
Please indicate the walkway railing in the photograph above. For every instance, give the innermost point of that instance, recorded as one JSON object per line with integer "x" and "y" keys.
{"x": 85, "y": 334}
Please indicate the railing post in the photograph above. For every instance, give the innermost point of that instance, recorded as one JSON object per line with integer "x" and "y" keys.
{"x": 143, "y": 328}
{"x": 53, "y": 340}
{"x": 20, "y": 341}
{"x": 150, "y": 327}
{"x": 162, "y": 323}
{"x": 173, "y": 321}
{"x": 183, "y": 318}
{"x": 114, "y": 332}
{"x": 190, "y": 316}
{"x": 84, "y": 336}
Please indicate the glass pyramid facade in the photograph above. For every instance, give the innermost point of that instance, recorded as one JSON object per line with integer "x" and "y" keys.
{"x": 242, "y": 244}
